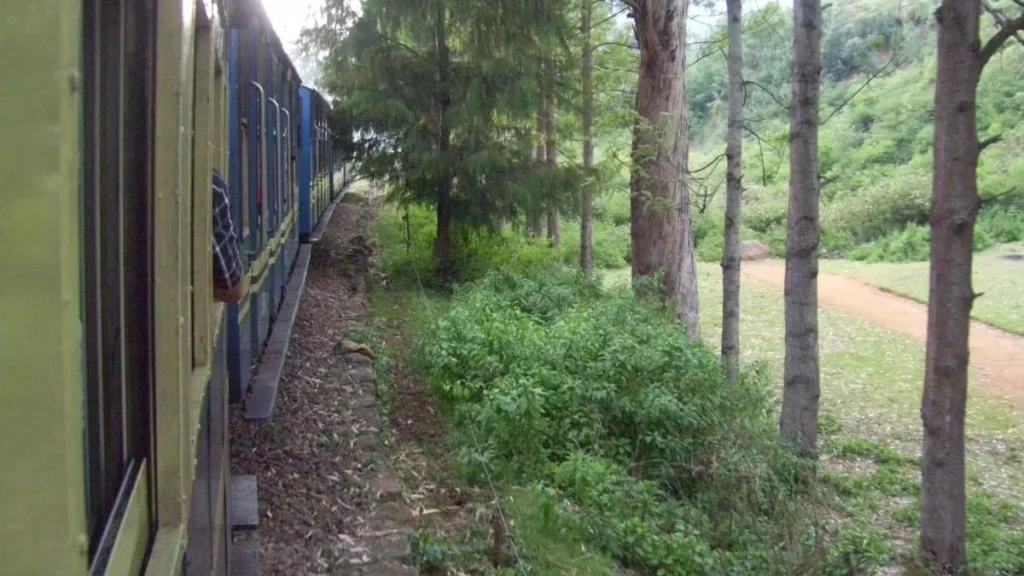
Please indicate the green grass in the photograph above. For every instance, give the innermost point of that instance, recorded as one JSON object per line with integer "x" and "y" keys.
{"x": 871, "y": 383}
{"x": 1001, "y": 281}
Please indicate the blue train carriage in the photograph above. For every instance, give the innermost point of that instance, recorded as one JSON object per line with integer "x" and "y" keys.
{"x": 112, "y": 349}
{"x": 316, "y": 171}
{"x": 264, "y": 126}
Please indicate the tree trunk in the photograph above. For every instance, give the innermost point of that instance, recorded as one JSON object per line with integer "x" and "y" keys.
{"x": 799, "y": 422}
{"x": 733, "y": 195}
{"x": 443, "y": 244}
{"x": 551, "y": 154}
{"x": 954, "y": 208}
{"x": 661, "y": 221}
{"x": 539, "y": 157}
{"x": 587, "y": 200}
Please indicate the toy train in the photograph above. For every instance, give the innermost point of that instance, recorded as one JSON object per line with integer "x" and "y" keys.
{"x": 116, "y": 364}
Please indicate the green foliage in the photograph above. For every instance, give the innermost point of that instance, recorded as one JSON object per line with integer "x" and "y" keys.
{"x": 1002, "y": 224}
{"x": 875, "y": 151}
{"x": 911, "y": 244}
{"x": 614, "y": 208}
{"x": 612, "y": 244}
{"x": 549, "y": 378}
{"x": 409, "y": 261}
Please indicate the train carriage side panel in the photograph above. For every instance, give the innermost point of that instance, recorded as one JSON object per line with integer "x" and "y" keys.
{"x": 260, "y": 275}
{"x": 239, "y": 330}
{"x": 43, "y": 514}
{"x": 306, "y": 221}
{"x": 276, "y": 281}
{"x": 290, "y": 159}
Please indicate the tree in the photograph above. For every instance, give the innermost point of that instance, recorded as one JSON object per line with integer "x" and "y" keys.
{"x": 660, "y": 205}
{"x": 540, "y": 163}
{"x": 551, "y": 153}
{"x": 801, "y": 386}
{"x": 587, "y": 197}
{"x": 733, "y": 193}
{"x": 955, "y": 204}
{"x": 436, "y": 91}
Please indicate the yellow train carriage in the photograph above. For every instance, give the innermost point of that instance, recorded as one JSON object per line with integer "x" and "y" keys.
{"x": 112, "y": 389}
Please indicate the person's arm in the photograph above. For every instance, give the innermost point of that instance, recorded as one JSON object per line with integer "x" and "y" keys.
{"x": 227, "y": 264}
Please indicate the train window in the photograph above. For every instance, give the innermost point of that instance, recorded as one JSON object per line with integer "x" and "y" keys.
{"x": 116, "y": 174}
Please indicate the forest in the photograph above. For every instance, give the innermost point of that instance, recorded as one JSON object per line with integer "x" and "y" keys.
{"x": 695, "y": 286}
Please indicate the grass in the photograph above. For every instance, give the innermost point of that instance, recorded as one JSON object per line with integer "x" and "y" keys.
{"x": 871, "y": 429}
{"x": 1000, "y": 281}
{"x": 870, "y": 426}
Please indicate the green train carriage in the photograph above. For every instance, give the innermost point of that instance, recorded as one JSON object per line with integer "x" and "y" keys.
{"x": 113, "y": 397}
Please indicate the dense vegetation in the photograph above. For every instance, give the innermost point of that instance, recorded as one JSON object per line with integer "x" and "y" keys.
{"x": 623, "y": 426}
{"x": 876, "y": 150}
{"x": 624, "y": 438}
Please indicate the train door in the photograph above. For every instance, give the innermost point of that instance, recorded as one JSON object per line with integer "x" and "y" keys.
{"x": 117, "y": 274}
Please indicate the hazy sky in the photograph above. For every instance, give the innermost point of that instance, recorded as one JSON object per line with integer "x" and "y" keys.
{"x": 288, "y": 18}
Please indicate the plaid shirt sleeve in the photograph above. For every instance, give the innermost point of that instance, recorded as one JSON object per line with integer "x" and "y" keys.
{"x": 227, "y": 264}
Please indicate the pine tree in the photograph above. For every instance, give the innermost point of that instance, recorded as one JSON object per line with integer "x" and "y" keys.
{"x": 436, "y": 90}
{"x": 662, "y": 224}
{"x": 733, "y": 192}
{"x": 801, "y": 386}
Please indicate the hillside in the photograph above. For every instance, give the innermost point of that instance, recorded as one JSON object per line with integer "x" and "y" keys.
{"x": 876, "y": 141}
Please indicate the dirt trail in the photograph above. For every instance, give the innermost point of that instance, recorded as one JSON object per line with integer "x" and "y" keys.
{"x": 996, "y": 355}
{"x": 329, "y": 501}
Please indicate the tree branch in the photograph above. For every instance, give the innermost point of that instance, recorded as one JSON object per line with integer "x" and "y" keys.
{"x": 768, "y": 92}
{"x": 614, "y": 14}
{"x": 1000, "y": 18}
{"x": 988, "y": 142}
{"x": 1007, "y": 28}
{"x": 623, "y": 44}
{"x": 632, "y": 5}
{"x": 710, "y": 164}
{"x": 877, "y": 74}
{"x": 984, "y": 201}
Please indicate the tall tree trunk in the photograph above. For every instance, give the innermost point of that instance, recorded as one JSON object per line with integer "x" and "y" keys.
{"x": 587, "y": 200}
{"x": 443, "y": 243}
{"x": 661, "y": 220}
{"x": 954, "y": 208}
{"x": 540, "y": 162}
{"x": 799, "y": 422}
{"x": 733, "y": 194}
{"x": 551, "y": 154}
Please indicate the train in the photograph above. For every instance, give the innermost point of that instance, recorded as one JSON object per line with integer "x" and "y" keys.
{"x": 117, "y": 366}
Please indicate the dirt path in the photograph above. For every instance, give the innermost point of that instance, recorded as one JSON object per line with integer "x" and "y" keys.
{"x": 329, "y": 501}
{"x": 996, "y": 355}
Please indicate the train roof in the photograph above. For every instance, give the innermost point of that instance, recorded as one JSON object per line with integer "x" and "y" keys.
{"x": 253, "y": 9}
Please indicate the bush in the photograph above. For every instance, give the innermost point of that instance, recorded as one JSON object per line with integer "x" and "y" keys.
{"x": 912, "y": 244}
{"x": 612, "y": 244}
{"x": 476, "y": 250}
{"x": 1002, "y": 224}
{"x": 888, "y": 204}
{"x": 551, "y": 379}
{"x": 708, "y": 237}
{"x": 614, "y": 208}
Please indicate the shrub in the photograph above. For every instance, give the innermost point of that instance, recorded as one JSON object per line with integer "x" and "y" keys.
{"x": 912, "y": 244}
{"x": 612, "y": 244}
{"x": 549, "y": 378}
{"x": 708, "y": 237}
{"x": 1002, "y": 224}
{"x": 614, "y": 208}
{"x": 890, "y": 203}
